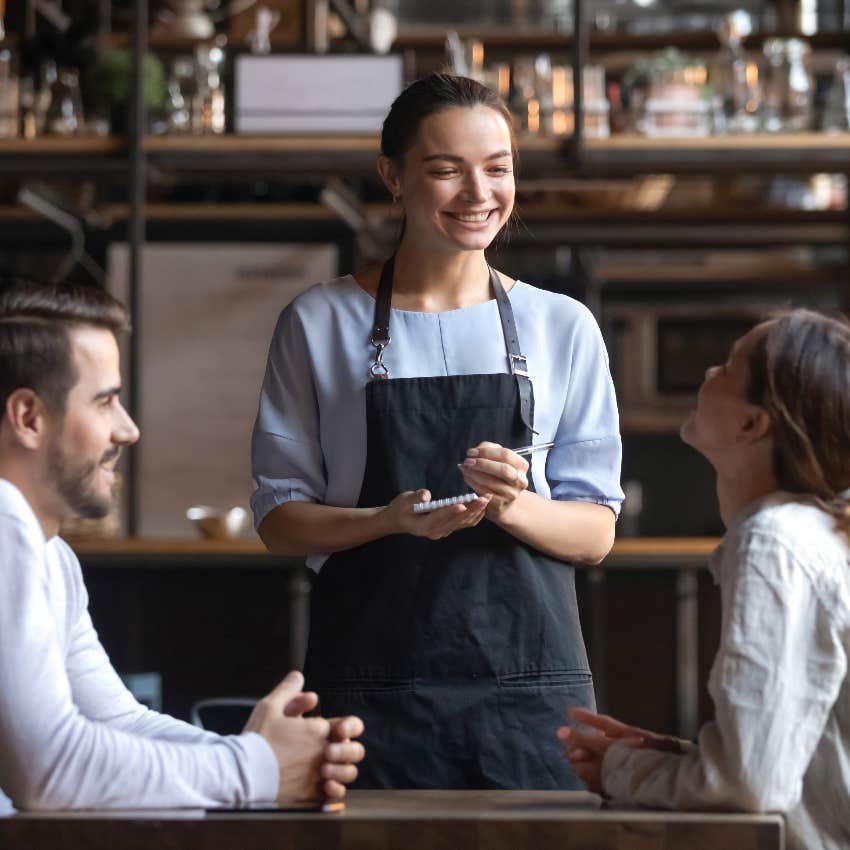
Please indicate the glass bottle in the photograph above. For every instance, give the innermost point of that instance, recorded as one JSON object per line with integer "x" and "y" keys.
{"x": 836, "y": 111}
{"x": 181, "y": 91}
{"x": 65, "y": 114}
{"x": 735, "y": 79}
{"x": 9, "y": 85}
{"x": 789, "y": 89}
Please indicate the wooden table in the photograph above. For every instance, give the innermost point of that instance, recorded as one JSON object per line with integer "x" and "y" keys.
{"x": 408, "y": 820}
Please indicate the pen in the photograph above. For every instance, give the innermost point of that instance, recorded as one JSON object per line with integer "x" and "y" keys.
{"x": 536, "y": 447}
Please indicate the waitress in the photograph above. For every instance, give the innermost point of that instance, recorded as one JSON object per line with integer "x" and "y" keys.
{"x": 453, "y": 633}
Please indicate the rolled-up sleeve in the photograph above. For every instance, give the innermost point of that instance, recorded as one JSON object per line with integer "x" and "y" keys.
{"x": 584, "y": 464}
{"x": 286, "y": 455}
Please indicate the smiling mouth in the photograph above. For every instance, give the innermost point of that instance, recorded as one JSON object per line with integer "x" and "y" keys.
{"x": 472, "y": 218}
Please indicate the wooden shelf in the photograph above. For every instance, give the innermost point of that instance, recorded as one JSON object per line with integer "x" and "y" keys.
{"x": 726, "y": 144}
{"x": 71, "y": 155}
{"x": 51, "y": 145}
{"x": 622, "y": 154}
{"x": 355, "y": 154}
{"x": 342, "y": 143}
{"x": 232, "y": 143}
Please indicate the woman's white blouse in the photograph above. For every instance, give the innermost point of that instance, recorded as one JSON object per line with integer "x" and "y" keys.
{"x": 309, "y": 440}
{"x": 780, "y": 740}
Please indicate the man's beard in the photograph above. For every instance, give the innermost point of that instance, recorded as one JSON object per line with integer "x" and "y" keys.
{"x": 75, "y": 484}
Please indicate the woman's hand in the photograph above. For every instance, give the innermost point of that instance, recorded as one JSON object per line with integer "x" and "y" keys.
{"x": 586, "y": 751}
{"x": 494, "y": 471}
{"x": 434, "y": 525}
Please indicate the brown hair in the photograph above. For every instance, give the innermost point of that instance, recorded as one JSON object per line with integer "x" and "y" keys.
{"x": 35, "y": 346}
{"x": 431, "y": 94}
{"x": 800, "y": 373}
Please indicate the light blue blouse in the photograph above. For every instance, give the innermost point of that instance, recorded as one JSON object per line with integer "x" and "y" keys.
{"x": 309, "y": 440}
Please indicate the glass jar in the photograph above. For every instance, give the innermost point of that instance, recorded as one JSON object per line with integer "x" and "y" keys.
{"x": 65, "y": 113}
{"x": 677, "y": 102}
{"x": 735, "y": 78}
{"x": 789, "y": 87}
{"x": 836, "y": 110}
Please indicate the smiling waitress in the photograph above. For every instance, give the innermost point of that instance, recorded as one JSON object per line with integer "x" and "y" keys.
{"x": 453, "y": 633}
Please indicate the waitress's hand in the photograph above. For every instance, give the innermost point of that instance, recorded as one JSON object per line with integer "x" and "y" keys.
{"x": 494, "y": 471}
{"x": 434, "y": 524}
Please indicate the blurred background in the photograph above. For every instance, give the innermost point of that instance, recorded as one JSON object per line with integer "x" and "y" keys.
{"x": 206, "y": 160}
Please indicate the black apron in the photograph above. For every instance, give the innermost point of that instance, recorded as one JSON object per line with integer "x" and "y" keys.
{"x": 461, "y": 655}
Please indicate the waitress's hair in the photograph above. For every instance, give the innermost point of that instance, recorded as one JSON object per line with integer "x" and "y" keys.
{"x": 429, "y": 95}
{"x": 800, "y": 373}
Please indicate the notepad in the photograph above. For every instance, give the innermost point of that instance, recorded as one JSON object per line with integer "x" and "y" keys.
{"x": 424, "y": 507}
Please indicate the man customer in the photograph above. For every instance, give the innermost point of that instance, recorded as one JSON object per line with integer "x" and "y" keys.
{"x": 71, "y": 735}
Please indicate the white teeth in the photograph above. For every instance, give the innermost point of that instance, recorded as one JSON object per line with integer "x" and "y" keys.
{"x": 472, "y": 216}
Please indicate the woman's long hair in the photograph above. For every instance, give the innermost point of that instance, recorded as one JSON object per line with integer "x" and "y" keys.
{"x": 800, "y": 373}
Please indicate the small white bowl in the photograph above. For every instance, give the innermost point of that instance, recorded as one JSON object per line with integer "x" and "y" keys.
{"x": 218, "y": 523}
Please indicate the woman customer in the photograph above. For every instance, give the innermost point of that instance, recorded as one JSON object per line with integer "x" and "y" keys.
{"x": 454, "y": 633}
{"x": 774, "y": 421}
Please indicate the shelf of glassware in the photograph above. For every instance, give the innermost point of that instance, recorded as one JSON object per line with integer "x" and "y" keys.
{"x": 421, "y": 36}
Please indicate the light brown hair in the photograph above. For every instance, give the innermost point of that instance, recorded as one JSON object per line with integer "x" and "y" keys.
{"x": 800, "y": 373}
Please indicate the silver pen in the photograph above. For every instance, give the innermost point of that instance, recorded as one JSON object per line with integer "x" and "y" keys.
{"x": 535, "y": 447}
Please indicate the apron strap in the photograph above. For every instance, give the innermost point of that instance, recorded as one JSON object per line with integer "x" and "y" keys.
{"x": 380, "y": 338}
{"x": 517, "y": 364}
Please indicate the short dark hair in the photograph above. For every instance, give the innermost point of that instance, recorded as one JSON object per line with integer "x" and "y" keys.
{"x": 431, "y": 94}
{"x": 35, "y": 344}
{"x": 800, "y": 373}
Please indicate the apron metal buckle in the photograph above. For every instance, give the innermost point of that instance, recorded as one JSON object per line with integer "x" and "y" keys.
{"x": 379, "y": 370}
{"x": 522, "y": 368}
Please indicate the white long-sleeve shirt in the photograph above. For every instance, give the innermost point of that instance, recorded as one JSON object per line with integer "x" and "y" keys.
{"x": 780, "y": 740}
{"x": 71, "y": 734}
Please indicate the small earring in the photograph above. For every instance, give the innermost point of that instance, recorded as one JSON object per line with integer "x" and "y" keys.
{"x": 397, "y": 198}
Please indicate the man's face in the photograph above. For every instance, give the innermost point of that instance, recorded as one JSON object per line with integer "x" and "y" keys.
{"x": 84, "y": 449}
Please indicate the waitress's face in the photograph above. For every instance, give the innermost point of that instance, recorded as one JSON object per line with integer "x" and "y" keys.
{"x": 457, "y": 182}
{"x": 724, "y": 417}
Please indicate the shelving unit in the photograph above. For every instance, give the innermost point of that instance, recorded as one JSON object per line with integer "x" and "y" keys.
{"x": 545, "y": 160}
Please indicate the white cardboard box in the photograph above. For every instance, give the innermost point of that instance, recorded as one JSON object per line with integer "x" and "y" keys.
{"x": 314, "y": 94}
{"x": 207, "y": 314}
